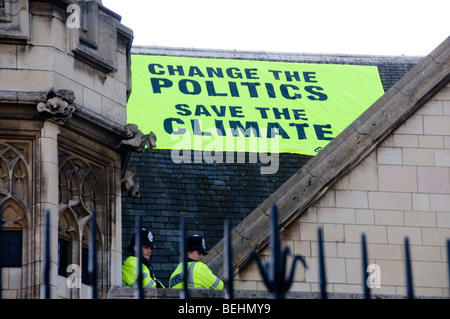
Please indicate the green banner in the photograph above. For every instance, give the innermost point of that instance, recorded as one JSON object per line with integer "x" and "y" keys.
{"x": 251, "y": 106}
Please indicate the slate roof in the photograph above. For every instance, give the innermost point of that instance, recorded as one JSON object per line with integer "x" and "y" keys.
{"x": 208, "y": 194}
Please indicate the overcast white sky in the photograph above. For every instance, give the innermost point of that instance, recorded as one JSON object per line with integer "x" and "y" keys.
{"x": 382, "y": 27}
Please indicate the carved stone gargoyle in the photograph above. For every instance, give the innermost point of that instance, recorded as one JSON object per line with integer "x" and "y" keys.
{"x": 139, "y": 140}
{"x": 59, "y": 106}
{"x": 130, "y": 186}
{"x": 136, "y": 141}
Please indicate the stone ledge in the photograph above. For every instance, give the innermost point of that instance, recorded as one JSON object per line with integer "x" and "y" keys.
{"x": 81, "y": 112}
{"x": 161, "y": 293}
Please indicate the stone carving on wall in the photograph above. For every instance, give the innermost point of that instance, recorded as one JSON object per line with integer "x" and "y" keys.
{"x": 136, "y": 142}
{"x": 129, "y": 185}
{"x": 59, "y": 106}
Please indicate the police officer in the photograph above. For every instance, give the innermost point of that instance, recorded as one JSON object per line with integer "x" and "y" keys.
{"x": 130, "y": 269}
{"x": 199, "y": 275}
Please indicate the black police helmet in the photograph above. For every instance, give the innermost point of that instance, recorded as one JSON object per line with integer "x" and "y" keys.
{"x": 146, "y": 239}
{"x": 196, "y": 242}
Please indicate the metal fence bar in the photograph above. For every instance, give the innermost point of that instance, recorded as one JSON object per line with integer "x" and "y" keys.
{"x": 448, "y": 264}
{"x": 364, "y": 267}
{"x": 1, "y": 250}
{"x": 47, "y": 259}
{"x": 183, "y": 251}
{"x": 138, "y": 245}
{"x": 409, "y": 276}
{"x": 274, "y": 274}
{"x": 322, "y": 274}
{"x": 228, "y": 264}
{"x": 92, "y": 265}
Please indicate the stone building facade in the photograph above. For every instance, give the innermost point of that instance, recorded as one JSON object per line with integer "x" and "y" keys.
{"x": 64, "y": 142}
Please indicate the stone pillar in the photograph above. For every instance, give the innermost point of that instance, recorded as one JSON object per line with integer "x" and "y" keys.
{"x": 48, "y": 167}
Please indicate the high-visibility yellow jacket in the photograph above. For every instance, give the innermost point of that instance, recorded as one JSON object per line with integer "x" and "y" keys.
{"x": 130, "y": 275}
{"x": 199, "y": 276}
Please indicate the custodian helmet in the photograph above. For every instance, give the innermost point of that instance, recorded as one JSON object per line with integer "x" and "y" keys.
{"x": 146, "y": 239}
{"x": 196, "y": 242}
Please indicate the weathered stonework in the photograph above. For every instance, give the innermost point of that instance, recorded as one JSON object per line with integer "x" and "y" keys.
{"x": 14, "y": 21}
{"x": 59, "y": 106}
{"x": 63, "y": 94}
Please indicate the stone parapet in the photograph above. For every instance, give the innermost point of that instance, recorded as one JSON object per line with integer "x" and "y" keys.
{"x": 160, "y": 293}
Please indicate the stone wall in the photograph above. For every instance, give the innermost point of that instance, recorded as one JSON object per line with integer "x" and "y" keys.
{"x": 402, "y": 189}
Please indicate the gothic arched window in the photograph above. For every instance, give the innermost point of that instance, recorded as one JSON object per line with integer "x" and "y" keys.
{"x": 80, "y": 194}
{"x": 14, "y": 198}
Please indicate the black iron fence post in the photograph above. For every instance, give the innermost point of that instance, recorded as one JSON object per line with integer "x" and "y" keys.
{"x": 183, "y": 259}
{"x": 92, "y": 268}
{"x": 228, "y": 263}
{"x": 274, "y": 274}
{"x": 322, "y": 273}
{"x": 364, "y": 266}
{"x": 137, "y": 244}
{"x": 409, "y": 276}
{"x": 47, "y": 259}
{"x": 1, "y": 250}
{"x": 448, "y": 264}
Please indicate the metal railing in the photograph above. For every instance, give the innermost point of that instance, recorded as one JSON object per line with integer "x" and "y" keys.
{"x": 274, "y": 274}
{"x": 278, "y": 264}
